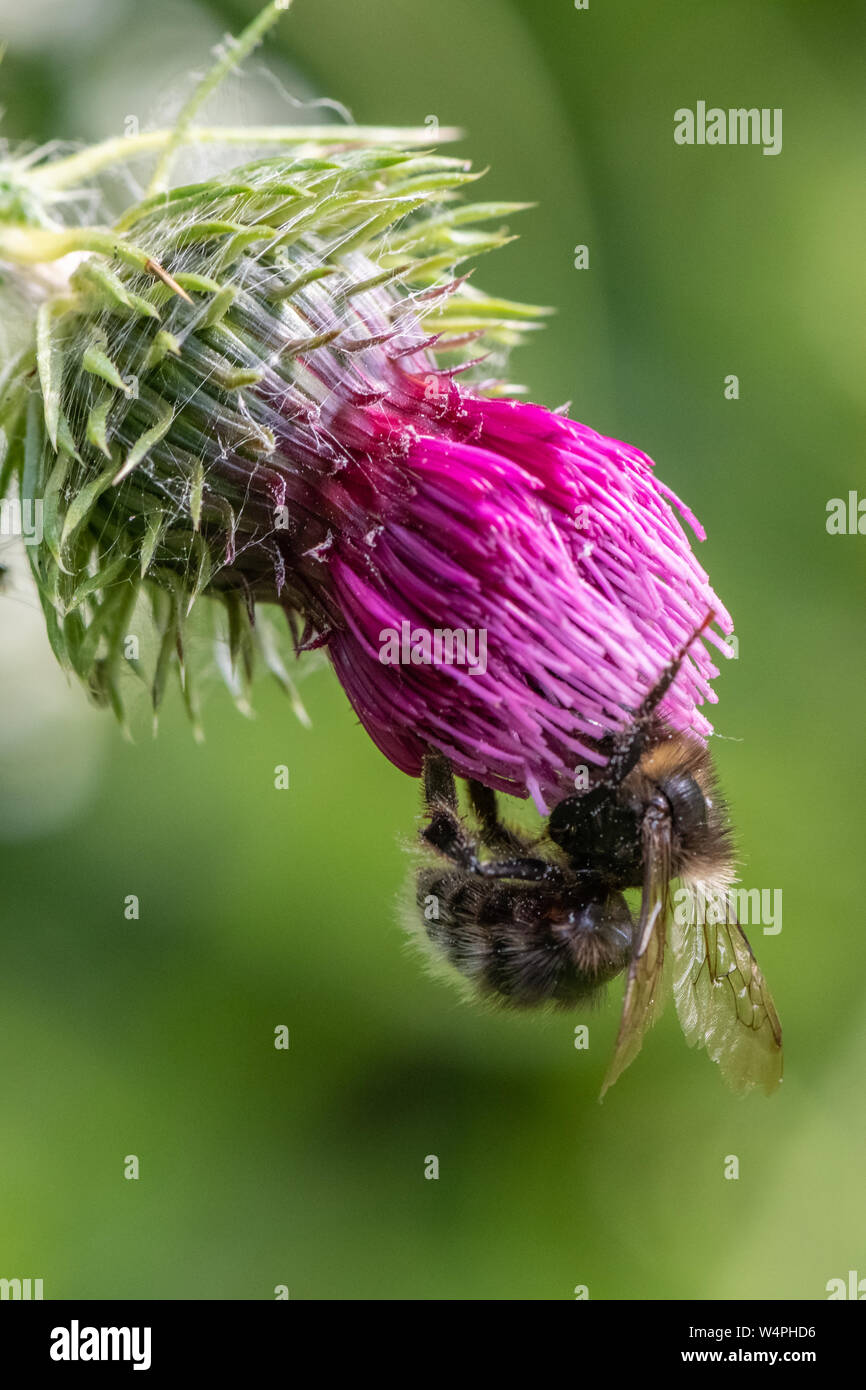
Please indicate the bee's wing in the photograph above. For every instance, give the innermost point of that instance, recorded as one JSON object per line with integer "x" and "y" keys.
{"x": 721, "y": 996}
{"x": 643, "y": 992}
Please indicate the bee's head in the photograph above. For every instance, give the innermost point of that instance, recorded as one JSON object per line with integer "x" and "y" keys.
{"x": 680, "y": 767}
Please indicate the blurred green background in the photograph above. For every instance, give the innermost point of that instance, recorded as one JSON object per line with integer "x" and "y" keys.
{"x": 258, "y": 908}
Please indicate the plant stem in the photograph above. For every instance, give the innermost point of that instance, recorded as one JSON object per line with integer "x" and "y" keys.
{"x": 75, "y": 168}
{"x": 234, "y": 53}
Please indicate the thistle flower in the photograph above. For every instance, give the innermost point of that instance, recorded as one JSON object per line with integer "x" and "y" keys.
{"x": 501, "y": 518}
{"x": 277, "y": 388}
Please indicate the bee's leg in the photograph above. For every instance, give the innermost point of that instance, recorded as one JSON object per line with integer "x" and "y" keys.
{"x": 493, "y": 833}
{"x": 521, "y": 866}
{"x": 446, "y": 832}
{"x": 439, "y": 786}
{"x": 522, "y": 863}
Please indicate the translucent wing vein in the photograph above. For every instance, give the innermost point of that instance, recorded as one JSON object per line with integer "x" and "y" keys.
{"x": 722, "y": 998}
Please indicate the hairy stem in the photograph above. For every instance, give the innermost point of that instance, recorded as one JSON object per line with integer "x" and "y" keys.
{"x": 233, "y": 54}
{"x": 75, "y": 168}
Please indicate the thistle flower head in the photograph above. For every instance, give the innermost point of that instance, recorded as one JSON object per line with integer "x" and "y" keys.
{"x": 278, "y": 389}
{"x": 556, "y": 555}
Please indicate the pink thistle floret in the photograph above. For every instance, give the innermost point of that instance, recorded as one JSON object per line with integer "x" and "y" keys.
{"x": 502, "y": 518}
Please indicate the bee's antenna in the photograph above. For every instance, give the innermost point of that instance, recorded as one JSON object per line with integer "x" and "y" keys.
{"x": 670, "y": 672}
{"x": 629, "y": 744}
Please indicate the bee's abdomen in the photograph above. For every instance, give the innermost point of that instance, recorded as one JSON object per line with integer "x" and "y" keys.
{"x": 523, "y": 943}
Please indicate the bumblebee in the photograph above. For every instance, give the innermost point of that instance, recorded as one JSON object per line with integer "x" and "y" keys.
{"x": 541, "y": 920}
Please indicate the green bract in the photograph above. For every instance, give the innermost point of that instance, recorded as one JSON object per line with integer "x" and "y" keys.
{"x": 148, "y": 393}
